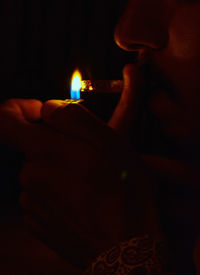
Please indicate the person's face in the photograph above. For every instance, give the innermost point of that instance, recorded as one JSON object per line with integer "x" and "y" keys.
{"x": 166, "y": 35}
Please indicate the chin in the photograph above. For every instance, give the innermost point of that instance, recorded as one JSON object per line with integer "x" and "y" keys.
{"x": 181, "y": 137}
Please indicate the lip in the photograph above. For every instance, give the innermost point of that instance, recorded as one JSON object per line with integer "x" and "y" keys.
{"x": 156, "y": 81}
{"x": 156, "y": 87}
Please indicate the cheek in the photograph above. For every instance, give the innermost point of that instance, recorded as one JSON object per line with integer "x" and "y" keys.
{"x": 184, "y": 34}
{"x": 180, "y": 61}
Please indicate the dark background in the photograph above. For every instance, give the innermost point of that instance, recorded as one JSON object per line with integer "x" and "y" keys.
{"x": 43, "y": 43}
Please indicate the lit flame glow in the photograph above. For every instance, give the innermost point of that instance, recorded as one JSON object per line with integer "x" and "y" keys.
{"x": 91, "y": 88}
{"x": 76, "y": 85}
{"x": 83, "y": 86}
{"x": 87, "y": 85}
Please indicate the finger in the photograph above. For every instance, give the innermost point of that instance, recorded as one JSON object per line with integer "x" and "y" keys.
{"x": 30, "y": 180}
{"x": 16, "y": 116}
{"x": 65, "y": 239}
{"x": 126, "y": 111}
{"x": 32, "y": 206}
{"x": 77, "y": 121}
{"x": 49, "y": 182}
{"x": 44, "y": 212}
{"x": 22, "y": 109}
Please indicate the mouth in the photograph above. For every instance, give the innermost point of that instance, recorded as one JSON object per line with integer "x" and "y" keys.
{"x": 156, "y": 81}
{"x": 160, "y": 98}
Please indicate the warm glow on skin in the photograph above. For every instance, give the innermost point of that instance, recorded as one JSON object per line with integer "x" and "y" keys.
{"x": 166, "y": 36}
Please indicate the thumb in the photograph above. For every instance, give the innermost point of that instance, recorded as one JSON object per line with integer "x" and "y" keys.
{"x": 127, "y": 108}
{"x": 16, "y": 117}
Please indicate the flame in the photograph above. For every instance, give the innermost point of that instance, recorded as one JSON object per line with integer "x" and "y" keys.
{"x": 76, "y": 85}
{"x": 76, "y": 81}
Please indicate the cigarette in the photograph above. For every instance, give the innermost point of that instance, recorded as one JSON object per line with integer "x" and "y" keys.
{"x": 95, "y": 88}
{"x": 102, "y": 86}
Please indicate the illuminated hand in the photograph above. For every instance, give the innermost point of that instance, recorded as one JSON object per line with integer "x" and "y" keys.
{"x": 74, "y": 196}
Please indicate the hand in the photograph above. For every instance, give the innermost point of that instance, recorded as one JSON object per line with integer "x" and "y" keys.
{"x": 16, "y": 117}
{"x": 73, "y": 193}
{"x": 73, "y": 197}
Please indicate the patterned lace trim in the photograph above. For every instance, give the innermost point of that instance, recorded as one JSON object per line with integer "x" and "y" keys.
{"x": 138, "y": 256}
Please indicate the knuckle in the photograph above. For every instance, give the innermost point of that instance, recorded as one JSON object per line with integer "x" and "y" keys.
{"x": 73, "y": 109}
{"x": 10, "y": 101}
{"x": 7, "y": 104}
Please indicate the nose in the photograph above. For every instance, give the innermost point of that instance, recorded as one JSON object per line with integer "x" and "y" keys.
{"x": 142, "y": 25}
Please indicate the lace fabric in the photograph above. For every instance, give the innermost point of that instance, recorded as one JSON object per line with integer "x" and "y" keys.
{"x": 137, "y": 256}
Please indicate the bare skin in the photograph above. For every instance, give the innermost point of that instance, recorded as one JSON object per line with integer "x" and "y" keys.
{"x": 166, "y": 37}
{"x": 74, "y": 196}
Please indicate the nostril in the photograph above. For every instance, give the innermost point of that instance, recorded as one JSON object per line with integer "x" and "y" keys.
{"x": 134, "y": 37}
{"x": 137, "y": 46}
{"x": 128, "y": 46}
{"x": 134, "y": 47}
